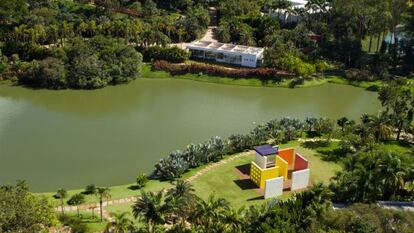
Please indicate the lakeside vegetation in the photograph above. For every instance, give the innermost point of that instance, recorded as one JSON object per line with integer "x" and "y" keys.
{"x": 147, "y": 72}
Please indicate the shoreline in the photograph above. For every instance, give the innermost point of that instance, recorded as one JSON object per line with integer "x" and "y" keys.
{"x": 147, "y": 73}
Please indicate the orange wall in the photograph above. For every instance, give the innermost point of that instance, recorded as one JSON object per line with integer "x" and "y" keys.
{"x": 287, "y": 155}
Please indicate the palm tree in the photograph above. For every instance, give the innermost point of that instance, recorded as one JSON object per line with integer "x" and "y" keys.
{"x": 381, "y": 128}
{"x": 393, "y": 172}
{"x": 121, "y": 223}
{"x": 234, "y": 220}
{"x": 181, "y": 198}
{"x": 210, "y": 212}
{"x": 102, "y": 192}
{"x": 77, "y": 200}
{"x": 61, "y": 194}
{"x": 151, "y": 207}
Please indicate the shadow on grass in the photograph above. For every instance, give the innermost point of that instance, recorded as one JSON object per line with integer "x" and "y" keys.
{"x": 373, "y": 88}
{"x": 256, "y": 198}
{"x": 312, "y": 134}
{"x": 315, "y": 144}
{"x": 326, "y": 150}
{"x": 134, "y": 187}
{"x": 245, "y": 184}
{"x": 244, "y": 169}
{"x": 332, "y": 155}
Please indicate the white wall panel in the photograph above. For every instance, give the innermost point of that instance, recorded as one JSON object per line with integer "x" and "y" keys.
{"x": 273, "y": 187}
{"x": 300, "y": 179}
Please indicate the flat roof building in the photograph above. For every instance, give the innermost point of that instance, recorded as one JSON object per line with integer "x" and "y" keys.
{"x": 227, "y": 53}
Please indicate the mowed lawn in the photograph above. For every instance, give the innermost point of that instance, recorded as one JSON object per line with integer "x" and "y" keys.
{"x": 225, "y": 181}
{"x": 122, "y": 191}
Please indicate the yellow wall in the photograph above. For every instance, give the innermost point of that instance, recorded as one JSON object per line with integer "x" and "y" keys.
{"x": 259, "y": 176}
{"x": 283, "y": 167}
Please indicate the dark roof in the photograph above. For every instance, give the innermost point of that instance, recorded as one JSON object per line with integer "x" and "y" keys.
{"x": 266, "y": 150}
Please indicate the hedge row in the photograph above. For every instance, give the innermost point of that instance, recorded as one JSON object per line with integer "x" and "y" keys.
{"x": 214, "y": 70}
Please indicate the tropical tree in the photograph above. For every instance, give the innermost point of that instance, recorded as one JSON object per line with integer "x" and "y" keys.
{"x": 183, "y": 198}
{"x": 120, "y": 224}
{"x": 398, "y": 101}
{"x": 210, "y": 212}
{"x": 151, "y": 207}
{"x": 23, "y": 211}
{"x": 61, "y": 194}
{"x": 371, "y": 176}
{"x": 90, "y": 189}
{"x": 142, "y": 180}
{"x": 102, "y": 193}
{"x": 76, "y": 200}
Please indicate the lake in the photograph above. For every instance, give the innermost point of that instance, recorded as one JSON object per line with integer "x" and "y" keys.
{"x": 72, "y": 138}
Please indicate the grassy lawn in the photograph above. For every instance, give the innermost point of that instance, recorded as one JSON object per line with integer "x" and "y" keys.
{"x": 122, "y": 191}
{"x": 93, "y": 222}
{"x": 223, "y": 180}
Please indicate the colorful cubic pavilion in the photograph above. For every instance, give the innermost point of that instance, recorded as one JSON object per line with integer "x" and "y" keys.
{"x": 274, "y": 170}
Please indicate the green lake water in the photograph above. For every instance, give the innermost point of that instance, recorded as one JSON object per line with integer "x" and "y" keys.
{"x": 72, "y": 138}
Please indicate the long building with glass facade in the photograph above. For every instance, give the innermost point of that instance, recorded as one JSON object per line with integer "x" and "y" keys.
{"x": 226, "y": 53}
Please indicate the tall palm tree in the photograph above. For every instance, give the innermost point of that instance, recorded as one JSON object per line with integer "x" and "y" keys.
{"x": 121, "y": 223}
{"x": 152, "y": 208}
{"x": 61, "y": 194}
{"x": 102, "y": 192}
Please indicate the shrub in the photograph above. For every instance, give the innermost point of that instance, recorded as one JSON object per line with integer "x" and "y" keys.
{"x": 76, "y": 225}
{"x": 142, "y": 180}
{"x": 358, "y": 75}
{"x": 47, "y": 73}
{"x": 90, "y": 189}
{"x": 172, "y": 54}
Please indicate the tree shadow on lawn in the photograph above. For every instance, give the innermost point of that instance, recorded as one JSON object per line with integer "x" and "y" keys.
{"x": 325, "y": 151}
{"x": 333, "y": 155}
{"x": 256, "y": 198}
{"x": 134, "y": 187}
{"x": 315, "y": 144}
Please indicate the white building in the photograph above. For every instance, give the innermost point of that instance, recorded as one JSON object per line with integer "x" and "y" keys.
{"x": 286, "y": 16}
{"x": 226, "y": 53}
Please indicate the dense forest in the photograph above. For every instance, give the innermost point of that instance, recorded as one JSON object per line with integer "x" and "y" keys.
{"x": 360, "y": 40}
{"x": 43, "y": 42}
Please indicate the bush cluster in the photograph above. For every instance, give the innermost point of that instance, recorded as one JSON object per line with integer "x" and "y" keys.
{"x": 171, "y": 54}
{"x": 265, "y": 74}
{"x": 354, "y": 74}
{"x": 283, "y": 130}
{"x": 90, "y": 64}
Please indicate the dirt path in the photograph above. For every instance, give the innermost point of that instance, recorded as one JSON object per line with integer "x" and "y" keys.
{"x": 107, "y": 215}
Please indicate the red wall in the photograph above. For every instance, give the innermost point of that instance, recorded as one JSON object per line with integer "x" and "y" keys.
{"x": 300, "y": 162}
